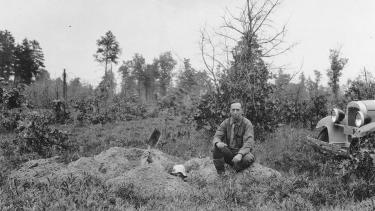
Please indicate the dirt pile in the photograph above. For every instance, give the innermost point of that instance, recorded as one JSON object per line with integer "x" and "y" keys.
{"x": 150, "y": 181}
{"x": 35, "y": 171}
{"x": 205, "y": 169}
{"x": 115, "y": 162}
{"x": 121, "y": 169}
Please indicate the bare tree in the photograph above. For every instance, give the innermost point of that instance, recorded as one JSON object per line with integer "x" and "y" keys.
{"x": 255, "y": 24}
{"x": 212, "y": 64}
{"x": 254, "y": 27}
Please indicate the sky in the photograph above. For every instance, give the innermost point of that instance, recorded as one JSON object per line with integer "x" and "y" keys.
{"x": 67, "y": 31}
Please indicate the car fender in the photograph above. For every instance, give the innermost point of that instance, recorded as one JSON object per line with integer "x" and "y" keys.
{"x": 335, "y": 133}
{"x": 365, "y": 130}
{"x": 325, "y": 122}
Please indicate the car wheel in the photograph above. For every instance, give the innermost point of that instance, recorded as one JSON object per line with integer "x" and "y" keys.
{"x": 323, "y": 135}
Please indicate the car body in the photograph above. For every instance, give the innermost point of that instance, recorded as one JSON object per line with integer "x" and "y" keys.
{"x": 340, "y": 128}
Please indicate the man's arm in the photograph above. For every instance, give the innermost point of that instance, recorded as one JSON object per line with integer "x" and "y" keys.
{"x": 220, "y": 133}
{"x": 248, "y": 139}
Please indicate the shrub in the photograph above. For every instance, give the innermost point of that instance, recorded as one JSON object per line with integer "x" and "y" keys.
{"x": 35, "y": 139}
{"x": 305, "y": 113}
{"x": 35, "y": 136}
{"x": 9, "y": 119}
{"x": 89, "y": 110}
{"x": 11, "y": 96}
{"x": 360, "y": 89}
{"x": 214, "y": 108}
{"x": 211, "y": 111}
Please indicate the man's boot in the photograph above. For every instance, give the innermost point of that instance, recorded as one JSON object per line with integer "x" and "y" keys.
{"x": 219, "y": 165}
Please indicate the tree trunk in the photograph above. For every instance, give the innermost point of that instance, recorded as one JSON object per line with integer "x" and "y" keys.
{"x": 105, "y": 68}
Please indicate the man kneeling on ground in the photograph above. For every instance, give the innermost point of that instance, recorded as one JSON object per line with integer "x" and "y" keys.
{"x": 233, "y": 141}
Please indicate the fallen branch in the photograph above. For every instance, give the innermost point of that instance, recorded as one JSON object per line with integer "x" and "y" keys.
{"x": 326, "y": 148}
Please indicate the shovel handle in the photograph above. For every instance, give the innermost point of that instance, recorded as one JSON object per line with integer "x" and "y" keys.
{"x": 145, "y": 160}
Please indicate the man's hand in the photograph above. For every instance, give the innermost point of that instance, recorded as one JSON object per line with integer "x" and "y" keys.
{"x": 237, "y": 158}
{"x": 221, "y": 145}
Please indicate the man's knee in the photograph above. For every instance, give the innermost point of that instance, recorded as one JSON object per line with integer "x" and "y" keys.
{"x": 246, "y": 162}
{"x": 223, "y": 152}
{"x": 216, "y": 153}
{"x": 248, "y": 159}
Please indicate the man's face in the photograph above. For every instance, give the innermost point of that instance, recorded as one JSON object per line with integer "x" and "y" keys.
{"x": 235, "y": 111}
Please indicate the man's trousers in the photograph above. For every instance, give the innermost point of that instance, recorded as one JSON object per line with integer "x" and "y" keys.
{"x": 225, "y": 155}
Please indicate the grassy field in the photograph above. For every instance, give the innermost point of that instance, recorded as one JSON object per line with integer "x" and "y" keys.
{"x": 177, "y": 138}
{"x": 310, "y": 181}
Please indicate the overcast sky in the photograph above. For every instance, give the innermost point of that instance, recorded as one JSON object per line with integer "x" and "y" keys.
{"x": 150, "y": 27}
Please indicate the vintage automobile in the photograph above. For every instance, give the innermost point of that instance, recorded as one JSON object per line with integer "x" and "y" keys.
{"x": 345, "y": 128}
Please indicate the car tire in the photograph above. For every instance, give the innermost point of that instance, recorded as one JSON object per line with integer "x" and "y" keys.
{"x": 323, "y": 135}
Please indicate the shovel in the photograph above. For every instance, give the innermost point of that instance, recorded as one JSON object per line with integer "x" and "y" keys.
{"x": 151, "y": 143}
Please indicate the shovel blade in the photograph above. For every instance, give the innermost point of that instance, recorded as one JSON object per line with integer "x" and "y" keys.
{"x": 154, "y": 138}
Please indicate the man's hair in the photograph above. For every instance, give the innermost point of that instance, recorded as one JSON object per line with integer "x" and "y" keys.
{"x": 236, "y": 100}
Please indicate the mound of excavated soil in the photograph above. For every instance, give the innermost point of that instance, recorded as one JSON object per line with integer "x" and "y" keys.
{"x": 150, "y": 181}
{"x": 36, "y": 170}
{"x": 204, "y": 168}
{"x": 120, "y": 168}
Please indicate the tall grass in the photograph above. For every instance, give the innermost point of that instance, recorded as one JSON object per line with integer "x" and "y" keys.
{"x": 310, "y": 180}
{"x": 177, "y": 138}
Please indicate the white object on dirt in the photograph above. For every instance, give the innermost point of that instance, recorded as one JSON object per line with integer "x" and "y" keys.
{"x": 179, "y": 169}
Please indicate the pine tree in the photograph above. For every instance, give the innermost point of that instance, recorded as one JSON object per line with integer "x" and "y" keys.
{"x": 7, "y": 57}
{"x": 108, "y": 50}
{"x": 29, "y": 61}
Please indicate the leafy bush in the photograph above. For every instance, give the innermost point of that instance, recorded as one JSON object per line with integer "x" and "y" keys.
{"x": 180, "y": 102}
{"x": 88, "y": 110}
{"x": 35, "y": 139}
{"x": 11, "y": 96}
{"x": 360, "y": 89}
{"x": 12, "y": 118}
{"x": 211, "y": 111}
{"x": 9, "y": 119}
{"x": 304, "y": 113}
{"x": 214, "y": 108}
{"x": 11, "y": 101}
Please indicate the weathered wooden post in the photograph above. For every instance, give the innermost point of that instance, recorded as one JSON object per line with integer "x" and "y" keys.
{"x": 57, "y": 90}
{"x": 65, "y": 87}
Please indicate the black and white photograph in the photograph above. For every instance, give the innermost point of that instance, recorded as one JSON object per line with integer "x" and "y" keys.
{"x": 187, "y": 105}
